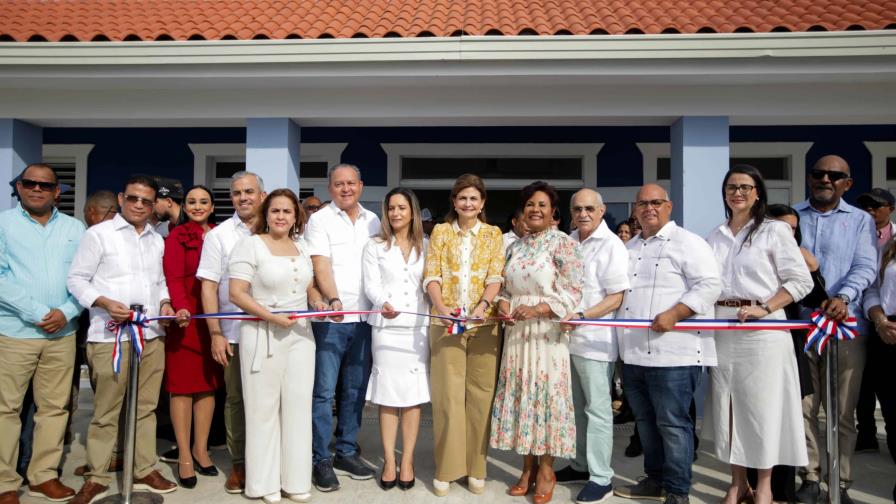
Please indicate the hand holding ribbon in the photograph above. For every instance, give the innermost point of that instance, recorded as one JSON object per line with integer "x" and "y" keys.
{"x": 132, "y": 326}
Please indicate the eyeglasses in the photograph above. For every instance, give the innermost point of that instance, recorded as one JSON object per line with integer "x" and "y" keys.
{"x": 742, "y": 188}
{"x": 655, "y": 203}
{"x": 31, "y": 184}
{"x": 580, "y": 209}
{"x": 133, "y": 199}
{"x": 833, "y": 176}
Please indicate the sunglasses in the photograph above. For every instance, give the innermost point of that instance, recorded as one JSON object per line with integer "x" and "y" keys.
{"x": 44, "y": 186}
{"x": 312, "y": 208}
{"x": 833, "y": 176}
{"x": 132, "y": 199}
{"x": 655, "y": 203}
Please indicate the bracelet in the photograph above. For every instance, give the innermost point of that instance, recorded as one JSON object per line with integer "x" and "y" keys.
{"x": 487, "y": 303}
{"x": 335, "y": 299}
{"x": 765, "y": 307}
{"x": 879, "y": 323}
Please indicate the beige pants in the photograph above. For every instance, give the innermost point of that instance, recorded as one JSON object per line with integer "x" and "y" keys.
{"x": 463, "y": 373}
{"x": 234, "y": 414}
{"x": 850, "y": 364}
{"x": 50, "y": 363}
{"x": 108, "y": 402}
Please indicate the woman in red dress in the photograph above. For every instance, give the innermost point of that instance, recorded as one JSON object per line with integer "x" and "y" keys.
{"x": 191, "y": 375}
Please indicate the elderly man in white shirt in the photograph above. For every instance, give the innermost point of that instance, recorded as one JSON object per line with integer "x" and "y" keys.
{"x": 518, "y": 229}
{"x": 246, "y": 194}
{"x": 336, "y": 236}
{"x": 119, "y": 263}
{"x": 674, "y": 276}
{"x": 592, "y": 349}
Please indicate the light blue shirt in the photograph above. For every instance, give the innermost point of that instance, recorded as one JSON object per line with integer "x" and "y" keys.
{"x": 34, "y": 262}
{"x": 844, "y": 240}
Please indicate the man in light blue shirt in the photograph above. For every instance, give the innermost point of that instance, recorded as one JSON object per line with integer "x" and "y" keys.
{"x": 843, "y": 239}
{"x": 37, "y": 330}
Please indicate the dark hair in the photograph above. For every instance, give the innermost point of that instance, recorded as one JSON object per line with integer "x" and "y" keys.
{"x": 261, "y": 225}
{"x": 534, "y": 187}
{"x": 778, "y": 210}
{"x": 415, "y": 231}
{"x": 759, "y": 211}
{"x": 623, "y": 223}
{"x": 464, "y": 181}
{"x": 42, "y": 166}
{"x": 140, "y": 179}
{"x": 211, "y": 197}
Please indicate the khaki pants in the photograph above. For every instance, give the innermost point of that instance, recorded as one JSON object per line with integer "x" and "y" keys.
{"x": 850, "y": 364}
{"x": 463, "y": 373}
{"x": 108, "y": 402}
{"x": 50, "y": 362}
{"x": 234, "y": 414}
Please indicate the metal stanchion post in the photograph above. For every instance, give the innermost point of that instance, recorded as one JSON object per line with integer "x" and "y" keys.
{"x": 833, "y": 428}
{"x": 127, "y": 495}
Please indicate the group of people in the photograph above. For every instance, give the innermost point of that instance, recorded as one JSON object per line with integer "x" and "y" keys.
{"x": 499, "y": 332}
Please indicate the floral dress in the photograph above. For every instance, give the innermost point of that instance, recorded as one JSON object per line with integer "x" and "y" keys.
{"x": 533, "y": 411}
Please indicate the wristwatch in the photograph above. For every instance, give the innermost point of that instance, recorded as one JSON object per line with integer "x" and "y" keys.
{"x": 580, "y": 315}
{"x": 765, "y": 307}
{"x": 844, "y": 297}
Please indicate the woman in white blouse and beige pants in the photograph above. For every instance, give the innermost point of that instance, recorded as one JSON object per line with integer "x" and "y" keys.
{"x": 754, "y": 416}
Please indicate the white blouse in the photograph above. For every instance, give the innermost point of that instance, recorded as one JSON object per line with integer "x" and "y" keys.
{"x": 388, "y": 279}
{"x": 755, "y": 270}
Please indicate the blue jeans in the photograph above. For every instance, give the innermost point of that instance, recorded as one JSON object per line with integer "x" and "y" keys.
{"x": 660, "y": 398}
{"x": 343, "y": 357}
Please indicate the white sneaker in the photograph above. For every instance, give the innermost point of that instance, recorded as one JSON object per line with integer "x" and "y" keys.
{"x": 440, "y": 488}
{"x": 273, "y": 498}
{"x": 476, "y": 485}
{"x": 300, "y": 497}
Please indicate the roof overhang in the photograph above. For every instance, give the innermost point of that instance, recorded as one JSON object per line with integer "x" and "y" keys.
{"x": 772, "y": 78}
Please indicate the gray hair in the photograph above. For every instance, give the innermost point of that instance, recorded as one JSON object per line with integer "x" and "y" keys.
{"x": 341, "y": 165}
{"x": 597, "y": 196}
{"x": 243, "y": 173}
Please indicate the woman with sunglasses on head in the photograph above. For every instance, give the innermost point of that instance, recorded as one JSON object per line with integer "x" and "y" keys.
{"x": 399, "y": 382}
{"x": 533, "y": 413}
{"x": 270, "y": 272}
{"x": 191, "y": 375}
{"x": 755, "y": 416}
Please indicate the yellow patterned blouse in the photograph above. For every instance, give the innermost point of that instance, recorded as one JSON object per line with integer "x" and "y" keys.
{"x": 445, "y": 263}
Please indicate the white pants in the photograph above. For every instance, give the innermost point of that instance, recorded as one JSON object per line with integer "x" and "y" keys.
{"x": 277, "y": 401}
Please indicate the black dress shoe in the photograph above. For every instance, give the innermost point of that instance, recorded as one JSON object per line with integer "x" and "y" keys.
{"x": 388, "y": 484}
{"x": 185, "y": 482}
{"x": 406, "y": 485}
{"x": 206, "y": 470}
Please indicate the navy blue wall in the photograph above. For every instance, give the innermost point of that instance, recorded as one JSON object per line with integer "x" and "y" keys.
{"x": 120, "y": 152}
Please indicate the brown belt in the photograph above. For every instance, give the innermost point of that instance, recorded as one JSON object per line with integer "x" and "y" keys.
{"x": 737, "y": 303}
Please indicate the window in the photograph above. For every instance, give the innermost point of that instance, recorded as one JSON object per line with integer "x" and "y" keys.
{"x": 782, "y": 164}
{"x": 70, "y": 163}
{"x": 430, "y": 169}
{"x": 214, "y": 164}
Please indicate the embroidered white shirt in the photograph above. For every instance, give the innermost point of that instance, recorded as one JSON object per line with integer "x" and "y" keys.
{"x": 116, "y": 262}
{"x": 331, "y": 233}
{"x": 606, "y": 272}
{"x": 466, "y": 256}
{"x": 673, "y": 266}
{"x": 213, "y": 265}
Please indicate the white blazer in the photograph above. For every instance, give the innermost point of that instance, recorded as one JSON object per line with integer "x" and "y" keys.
{"x": 387, "y": 278}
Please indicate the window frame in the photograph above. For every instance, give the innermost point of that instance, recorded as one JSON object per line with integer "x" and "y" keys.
{"x": 880, "y": 151}
{"x": 78, "y": 153}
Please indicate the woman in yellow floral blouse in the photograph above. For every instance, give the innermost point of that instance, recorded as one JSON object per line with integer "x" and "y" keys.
{"x": 533, "y": 413}
{"x": 463, "y": 271}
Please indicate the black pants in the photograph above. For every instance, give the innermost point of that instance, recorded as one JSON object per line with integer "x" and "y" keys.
{"x": 882, "y": 367}
{"x": 865, "y": 423}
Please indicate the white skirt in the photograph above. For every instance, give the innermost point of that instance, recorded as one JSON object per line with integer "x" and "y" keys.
{"x": 400, "y": 374}
{"x": 756, "y": 380}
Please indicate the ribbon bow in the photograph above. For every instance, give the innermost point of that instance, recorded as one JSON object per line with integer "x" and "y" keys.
{"x": 133, "y": 325}
{"x": 825, "y": 329}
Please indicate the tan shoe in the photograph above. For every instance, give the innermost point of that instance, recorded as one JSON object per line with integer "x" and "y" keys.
{"x": 476, "y": 485}
{"x": 440, "y": 488}
{"x": 155, "y": 483}
{"x": 52, "y": 490}
{"x": 10, "y": 497}
{"x": 236, "y": 482}
{"x": 90, "y": 491}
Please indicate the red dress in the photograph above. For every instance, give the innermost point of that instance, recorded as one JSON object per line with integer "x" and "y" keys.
{"x": 189, "y": 366}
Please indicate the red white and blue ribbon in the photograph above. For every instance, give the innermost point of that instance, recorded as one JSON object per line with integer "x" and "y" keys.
{"x": 458, "y": 322}
{"x": 132, "y": 328}
{"x": 825, "y": 329}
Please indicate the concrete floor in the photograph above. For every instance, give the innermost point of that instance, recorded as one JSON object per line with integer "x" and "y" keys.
{"x": 874, "y": 473}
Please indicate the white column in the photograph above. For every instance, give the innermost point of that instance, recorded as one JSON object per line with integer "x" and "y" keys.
{"x": 272, "y": 151}
{"x": 700, "y": 158}
{"x": 21, "y": 144}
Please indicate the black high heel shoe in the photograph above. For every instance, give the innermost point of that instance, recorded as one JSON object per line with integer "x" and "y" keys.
{"x": 189, "y": 482}
{"x": 206, "y": 470}
{"x": 388, "y": 484}
{"x": 407, "y": 485}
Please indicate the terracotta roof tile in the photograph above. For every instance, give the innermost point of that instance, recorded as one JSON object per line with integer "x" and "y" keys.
{"x": 85, "y": 20}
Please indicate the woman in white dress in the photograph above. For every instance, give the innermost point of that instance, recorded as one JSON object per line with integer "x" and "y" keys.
{"x": 755, "y": 418}
{"x": 271, "y": 271}
{"x": 399, "y": 379}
